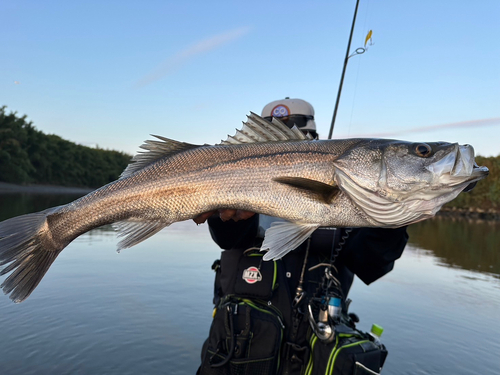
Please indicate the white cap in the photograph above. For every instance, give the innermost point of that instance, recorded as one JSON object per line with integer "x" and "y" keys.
{"x": 287, "y": 107}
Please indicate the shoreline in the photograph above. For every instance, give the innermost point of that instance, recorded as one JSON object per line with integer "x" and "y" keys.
{"x": 7, "y": 188}
{"x": 469, "y": 213}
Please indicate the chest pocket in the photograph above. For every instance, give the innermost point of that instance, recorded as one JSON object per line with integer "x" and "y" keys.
{"x": 245, "y": 338}
{"x": 350, "y": 353}
{"x": 254, "y": 277}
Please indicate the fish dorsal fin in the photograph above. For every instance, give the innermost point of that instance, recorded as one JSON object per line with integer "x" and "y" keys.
{"x": 155, "y": 150}
{"x": 136, "y": 231}
{"x": 256, "y": 129}
{"x": 324, "y": 191}
{"x": 283, "y": 237}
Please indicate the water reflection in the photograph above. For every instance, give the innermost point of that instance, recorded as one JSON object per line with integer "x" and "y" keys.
{"x": 148, "y": 309}
{"x": 15, "y": 204}
{"x": 470, "y": 245}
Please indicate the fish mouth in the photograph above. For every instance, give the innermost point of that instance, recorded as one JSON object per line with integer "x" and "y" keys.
{"x": 478, "y": 173}
{"x": 459, "y": 167}
{"x": 466, "y": 166}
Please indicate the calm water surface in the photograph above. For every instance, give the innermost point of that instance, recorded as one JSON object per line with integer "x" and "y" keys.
{"x": 148, "y": 309}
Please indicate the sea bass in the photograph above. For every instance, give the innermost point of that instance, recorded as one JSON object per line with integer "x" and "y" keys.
{"x": 266, "y": 168}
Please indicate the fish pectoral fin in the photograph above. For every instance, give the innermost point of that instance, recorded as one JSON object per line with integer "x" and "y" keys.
{"x": 283, "y": 237}
{"x": 324, "y": 191}
{"x": 136, "y": 231}
{"x": 155, "y": 150}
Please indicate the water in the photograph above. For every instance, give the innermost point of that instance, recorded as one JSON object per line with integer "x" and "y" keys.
{"x": 148, "y": 309}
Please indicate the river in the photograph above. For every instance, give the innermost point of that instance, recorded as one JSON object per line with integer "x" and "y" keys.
{"x": 147, "y": 310}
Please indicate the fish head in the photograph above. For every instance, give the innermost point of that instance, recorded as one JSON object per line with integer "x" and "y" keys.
{"x": 397, "y": 183}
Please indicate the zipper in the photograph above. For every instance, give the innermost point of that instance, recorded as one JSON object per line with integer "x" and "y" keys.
{"x": 333, "y": 355}
{"x": 337, "y": 351}
{"x": 265, "y": 309}
{"x": 313, "y": 341}
{"x": 275, "y": 274}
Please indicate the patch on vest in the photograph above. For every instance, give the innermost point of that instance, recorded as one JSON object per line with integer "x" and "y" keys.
{"x": 251, "y": 275}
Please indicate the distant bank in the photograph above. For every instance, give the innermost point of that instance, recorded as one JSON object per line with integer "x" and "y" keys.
{"x": 6, "y": 188}
{"x": 29, "y": 156}
{"x": 470, "y": 213}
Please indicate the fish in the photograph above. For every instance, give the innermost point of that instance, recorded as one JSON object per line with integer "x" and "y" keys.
{"x": 265, "y": 167}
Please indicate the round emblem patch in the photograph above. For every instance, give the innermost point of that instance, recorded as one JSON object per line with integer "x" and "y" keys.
{"x": 251, "y": 275}
{"x": 280, "y": 111}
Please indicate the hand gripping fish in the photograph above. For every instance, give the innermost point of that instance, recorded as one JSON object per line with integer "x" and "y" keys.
{"x": 266, "y": 168}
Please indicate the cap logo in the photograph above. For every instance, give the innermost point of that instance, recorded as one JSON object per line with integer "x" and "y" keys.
{"x": 251, "y": 275}
{"x": 280, "y": 111}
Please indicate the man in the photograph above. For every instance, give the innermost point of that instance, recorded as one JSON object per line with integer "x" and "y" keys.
{"x": 295, "y": 290}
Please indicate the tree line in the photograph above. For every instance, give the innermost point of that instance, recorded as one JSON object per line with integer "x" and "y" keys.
{"x": 27, "y": 155}
{"x": 486, "y": 195}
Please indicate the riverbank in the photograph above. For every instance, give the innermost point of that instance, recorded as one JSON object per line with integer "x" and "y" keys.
{"x": 469, "y": 213}
{"x": 6, "y": 188}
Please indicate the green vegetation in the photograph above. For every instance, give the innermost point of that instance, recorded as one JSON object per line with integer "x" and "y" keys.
{"x": 28, "y": 155}
{"x": 486, "y": 195}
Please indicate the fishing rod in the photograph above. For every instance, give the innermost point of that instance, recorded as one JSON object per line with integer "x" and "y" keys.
{"x": 343, "y": 71}
{"x": 324, "y": 325}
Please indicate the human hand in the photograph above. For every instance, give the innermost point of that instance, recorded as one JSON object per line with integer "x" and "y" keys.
{"x": 225, "y": 215}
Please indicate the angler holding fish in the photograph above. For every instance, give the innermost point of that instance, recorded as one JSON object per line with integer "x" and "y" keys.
{"x": 329, "y": 256}
{"x": 267, "y": 168}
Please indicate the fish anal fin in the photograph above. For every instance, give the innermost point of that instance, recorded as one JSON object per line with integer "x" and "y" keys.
{"x": 324, "y": 191}
{"x": 283, "y": 237}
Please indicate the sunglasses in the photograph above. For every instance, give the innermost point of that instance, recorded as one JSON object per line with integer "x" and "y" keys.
{"x": 299, "y": 120}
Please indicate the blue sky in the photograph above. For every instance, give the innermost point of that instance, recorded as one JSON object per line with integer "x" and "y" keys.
{"x": 110, "y": 73}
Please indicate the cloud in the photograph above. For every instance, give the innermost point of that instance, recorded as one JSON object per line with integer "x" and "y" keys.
{"x": 180, "y": 58}
{"x": 454, "y": 125}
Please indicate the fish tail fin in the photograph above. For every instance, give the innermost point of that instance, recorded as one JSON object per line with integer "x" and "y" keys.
{"x": 24, "y": 252}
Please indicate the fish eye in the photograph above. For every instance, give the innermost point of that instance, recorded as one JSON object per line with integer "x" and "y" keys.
{"x": 423, "y": 150}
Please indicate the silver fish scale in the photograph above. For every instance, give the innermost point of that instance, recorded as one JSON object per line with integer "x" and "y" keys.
{"x": 186, "y": 184}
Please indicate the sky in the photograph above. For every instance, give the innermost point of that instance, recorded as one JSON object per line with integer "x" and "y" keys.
{"x": 111, "y": 73}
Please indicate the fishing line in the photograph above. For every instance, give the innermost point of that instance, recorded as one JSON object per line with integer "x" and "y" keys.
{"x": 357, "y": 71}
{"x": 353, "y": 98}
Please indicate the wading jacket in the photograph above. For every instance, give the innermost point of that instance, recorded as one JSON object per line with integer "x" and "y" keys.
{"x": 368, "y": 253}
